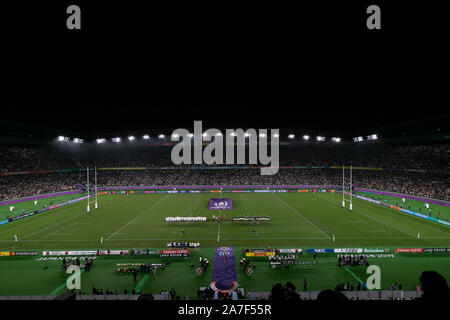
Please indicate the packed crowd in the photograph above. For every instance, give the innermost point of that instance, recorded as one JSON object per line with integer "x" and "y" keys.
{"x": 388, "y": 156}
{"x": 420, "y": 184}
{"x": 430, "y": 157}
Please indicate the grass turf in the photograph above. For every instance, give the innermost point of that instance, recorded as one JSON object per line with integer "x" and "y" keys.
{"x": 413, "y": 205}
{"x": 29, "y": 206}
{"x": 297, "y": 220}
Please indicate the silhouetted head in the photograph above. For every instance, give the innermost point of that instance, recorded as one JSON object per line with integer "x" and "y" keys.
{"x": 290, "y": 286}
{"x": 278, "y": 292}
{"x": 434, "y": 285}
{"x": 331, "y": 296}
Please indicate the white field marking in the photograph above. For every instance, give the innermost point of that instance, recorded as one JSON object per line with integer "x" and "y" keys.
{"x": 378, "y": 231}
{"x": 51, "y": 213}
{"x": 193, "y": 210}
{"x": 412, "y": 220}
{"x": 51, "y": 234}
{"x": 358, "y": 221}
{"x": 53, "y": 225}
{"x": 248, "y": 214}
{"x": 56, "y": 224}
{"x": 388, "y": 225}
{"x": 212, "y": 239}
{"x": 218, "y": 231}
{"x": 295, "y": 210}
{"x": 32, "y": 220}
{"x": 137, "y": 217}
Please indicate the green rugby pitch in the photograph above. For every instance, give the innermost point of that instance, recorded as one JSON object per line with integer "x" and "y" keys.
{"x": 303, "y": 220}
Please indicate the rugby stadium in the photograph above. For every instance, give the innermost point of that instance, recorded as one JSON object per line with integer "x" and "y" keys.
{"x": 140, "y": 225}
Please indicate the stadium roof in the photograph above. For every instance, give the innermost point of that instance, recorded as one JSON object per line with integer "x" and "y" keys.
{"x": 435, "y": 128}
{"x": 111, "y": 78}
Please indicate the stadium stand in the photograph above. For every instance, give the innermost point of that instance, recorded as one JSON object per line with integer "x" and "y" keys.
{"x": 422, "y": 170}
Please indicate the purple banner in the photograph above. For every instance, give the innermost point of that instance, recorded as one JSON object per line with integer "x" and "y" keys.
{"x": 224, "y": 269}
{"x": 220, "y": 204}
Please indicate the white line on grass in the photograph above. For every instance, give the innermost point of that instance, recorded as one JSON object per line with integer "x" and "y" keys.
{"x": 248, "y": 214}
{"x": 195, "y": 208}
{"x": 233, "y": 238}
{"x": 49, "y": 235}
{"x": 53, "y": 225}
{"x": 218, "y": 231}
{"x": 137, "y": 217}
{"x": 426, "y": 224}
{"x": 49, "y": 214}
{"x": 295, "y": 210}
{"x": 388, "y": 225}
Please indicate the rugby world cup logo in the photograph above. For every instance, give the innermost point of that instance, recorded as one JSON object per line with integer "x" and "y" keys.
{"x": 221, "y": 204}
{"x": 224, "y": 251}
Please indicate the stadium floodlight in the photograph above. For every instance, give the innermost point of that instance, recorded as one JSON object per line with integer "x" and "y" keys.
{"x": 262, "y": 135}
{"x": 291, "y": 136}
{"x": 233, "y": 134}
{"x": 100, "y": 140}
{"x": 78, "y": 140}
{"x": 305, "y": 137}
{"x": 320, "y": 138}
{"x": 116, "y": 140}
{"x": 63, "y": 139}
{"x": 161, "y": 136}
{"x": 131, "y": 138}
{"x": 276, "y": 135}
{"x": 175, "y": 135}
{"x": 146, "y": 137}
{"x": 219, "y": 134}
{"x": 358, "y": 139}
{"x": 372, "y": 137}
{"x": 336, "y": 139}
{"x": 246, "y": 134}
{"x": 190, "y": 135}
{"x": 204, "y": 134}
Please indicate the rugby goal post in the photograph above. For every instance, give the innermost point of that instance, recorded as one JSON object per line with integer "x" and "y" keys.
{"x": 350, "y": 188}
{"x": 88, "y": 208}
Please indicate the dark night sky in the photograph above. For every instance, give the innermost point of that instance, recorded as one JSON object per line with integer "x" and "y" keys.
{"x": 314, "y": 67}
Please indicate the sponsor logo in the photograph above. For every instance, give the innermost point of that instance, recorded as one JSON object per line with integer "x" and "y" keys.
{"x": 25, "y": 253}
{"x": 298, "y": 250}
{"x": 320, "y": 250}
{"x": 436, "y": 250}
{"x": 259, "y": 254}
{"x": 376, "y": 250}
{"x": 408, "y": 250}
{"x": 348, "y": 250}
